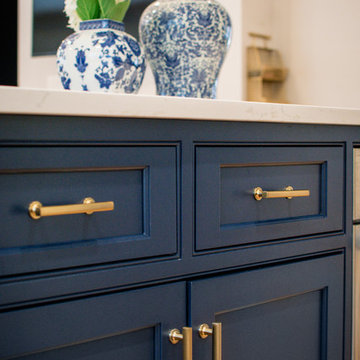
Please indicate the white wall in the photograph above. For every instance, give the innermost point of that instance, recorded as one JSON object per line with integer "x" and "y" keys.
{"x": 231, "y": 77}
{"x": 322, "y": 49}
{"x": 320, "y": 44}
{"x": 257, "y": 17}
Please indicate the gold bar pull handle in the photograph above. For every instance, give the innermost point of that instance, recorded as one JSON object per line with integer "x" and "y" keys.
{"x": 216, "y": 332}
{"x": 186, "y": 337}
{"x": 287, "y": 193}
{"x": 89, "y": 206}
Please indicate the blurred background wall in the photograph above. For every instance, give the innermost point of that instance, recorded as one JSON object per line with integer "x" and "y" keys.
{"x": 319, "y": 41}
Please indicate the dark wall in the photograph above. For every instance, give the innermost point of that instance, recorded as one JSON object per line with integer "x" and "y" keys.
{"x": 8, "y": 56}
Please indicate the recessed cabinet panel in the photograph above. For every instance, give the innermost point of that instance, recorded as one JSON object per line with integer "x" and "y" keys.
{"x": 137, "y": 344}
{"x": 252, "y": 194}
{"x": 281, "y": 328}
{"x": 140, "y": 181}
{"x": 131, "y": 325}
{"x": 291, "y": 311}
{"x": 305, "y": 176}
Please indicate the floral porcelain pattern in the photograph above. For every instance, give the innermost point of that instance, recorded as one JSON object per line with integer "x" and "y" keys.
{"x": 101, "y": 57}
{"x": 185, "y": 43}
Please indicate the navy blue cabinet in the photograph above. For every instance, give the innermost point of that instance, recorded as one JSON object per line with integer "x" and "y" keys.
{"x": 188, "y": 242}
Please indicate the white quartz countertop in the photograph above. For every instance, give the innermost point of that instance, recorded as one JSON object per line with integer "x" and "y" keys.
{"x": 14, "y": 100}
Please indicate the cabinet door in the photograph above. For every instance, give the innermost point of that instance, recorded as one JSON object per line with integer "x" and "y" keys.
{"x": 131, "y": 325}
{"x": 291, "y": 311}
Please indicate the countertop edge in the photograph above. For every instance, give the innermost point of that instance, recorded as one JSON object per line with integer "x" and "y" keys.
{"x": 14, "y": 100}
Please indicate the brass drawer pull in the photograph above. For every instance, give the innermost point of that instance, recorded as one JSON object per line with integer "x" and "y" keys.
{"x": 186, "y": 337}
{"x": 89, "y": 206}
{"x": 288, "y": 193}
{"x": 205, "y": 331}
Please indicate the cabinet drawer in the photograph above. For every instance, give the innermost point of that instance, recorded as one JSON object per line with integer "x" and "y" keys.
{"x": 227, "y": 213}
{"x": 140, "y": 180}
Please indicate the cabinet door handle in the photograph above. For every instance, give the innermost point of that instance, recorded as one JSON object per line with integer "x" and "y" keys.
{"x": 288, "y": 193}
{"x": 89, "y": 206}
{"x": 205, "y": 331}
{"x": 186, "y": 337}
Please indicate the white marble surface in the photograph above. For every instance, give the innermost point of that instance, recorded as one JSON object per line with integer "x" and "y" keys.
{"x": 14, "y": 100}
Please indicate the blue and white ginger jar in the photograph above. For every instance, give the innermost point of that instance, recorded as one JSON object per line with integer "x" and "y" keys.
{"x": 101, "y": 57}
{"x": 185, "y": 42}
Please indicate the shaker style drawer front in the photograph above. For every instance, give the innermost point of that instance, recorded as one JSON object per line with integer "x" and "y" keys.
{"x": 254, "y": 194}
{"x": 138, "y": 182}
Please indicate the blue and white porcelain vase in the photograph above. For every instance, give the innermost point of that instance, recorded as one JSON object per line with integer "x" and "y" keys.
{"x": 185, "y": 42}
{"x": 101, "y": 57}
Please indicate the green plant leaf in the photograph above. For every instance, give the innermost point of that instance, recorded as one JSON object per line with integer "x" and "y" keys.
{"x": 111, "y": 10}
{"x": 88, "y": 9}
{"x": 119, "y": 11}
{"x": 105, "y": 7}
